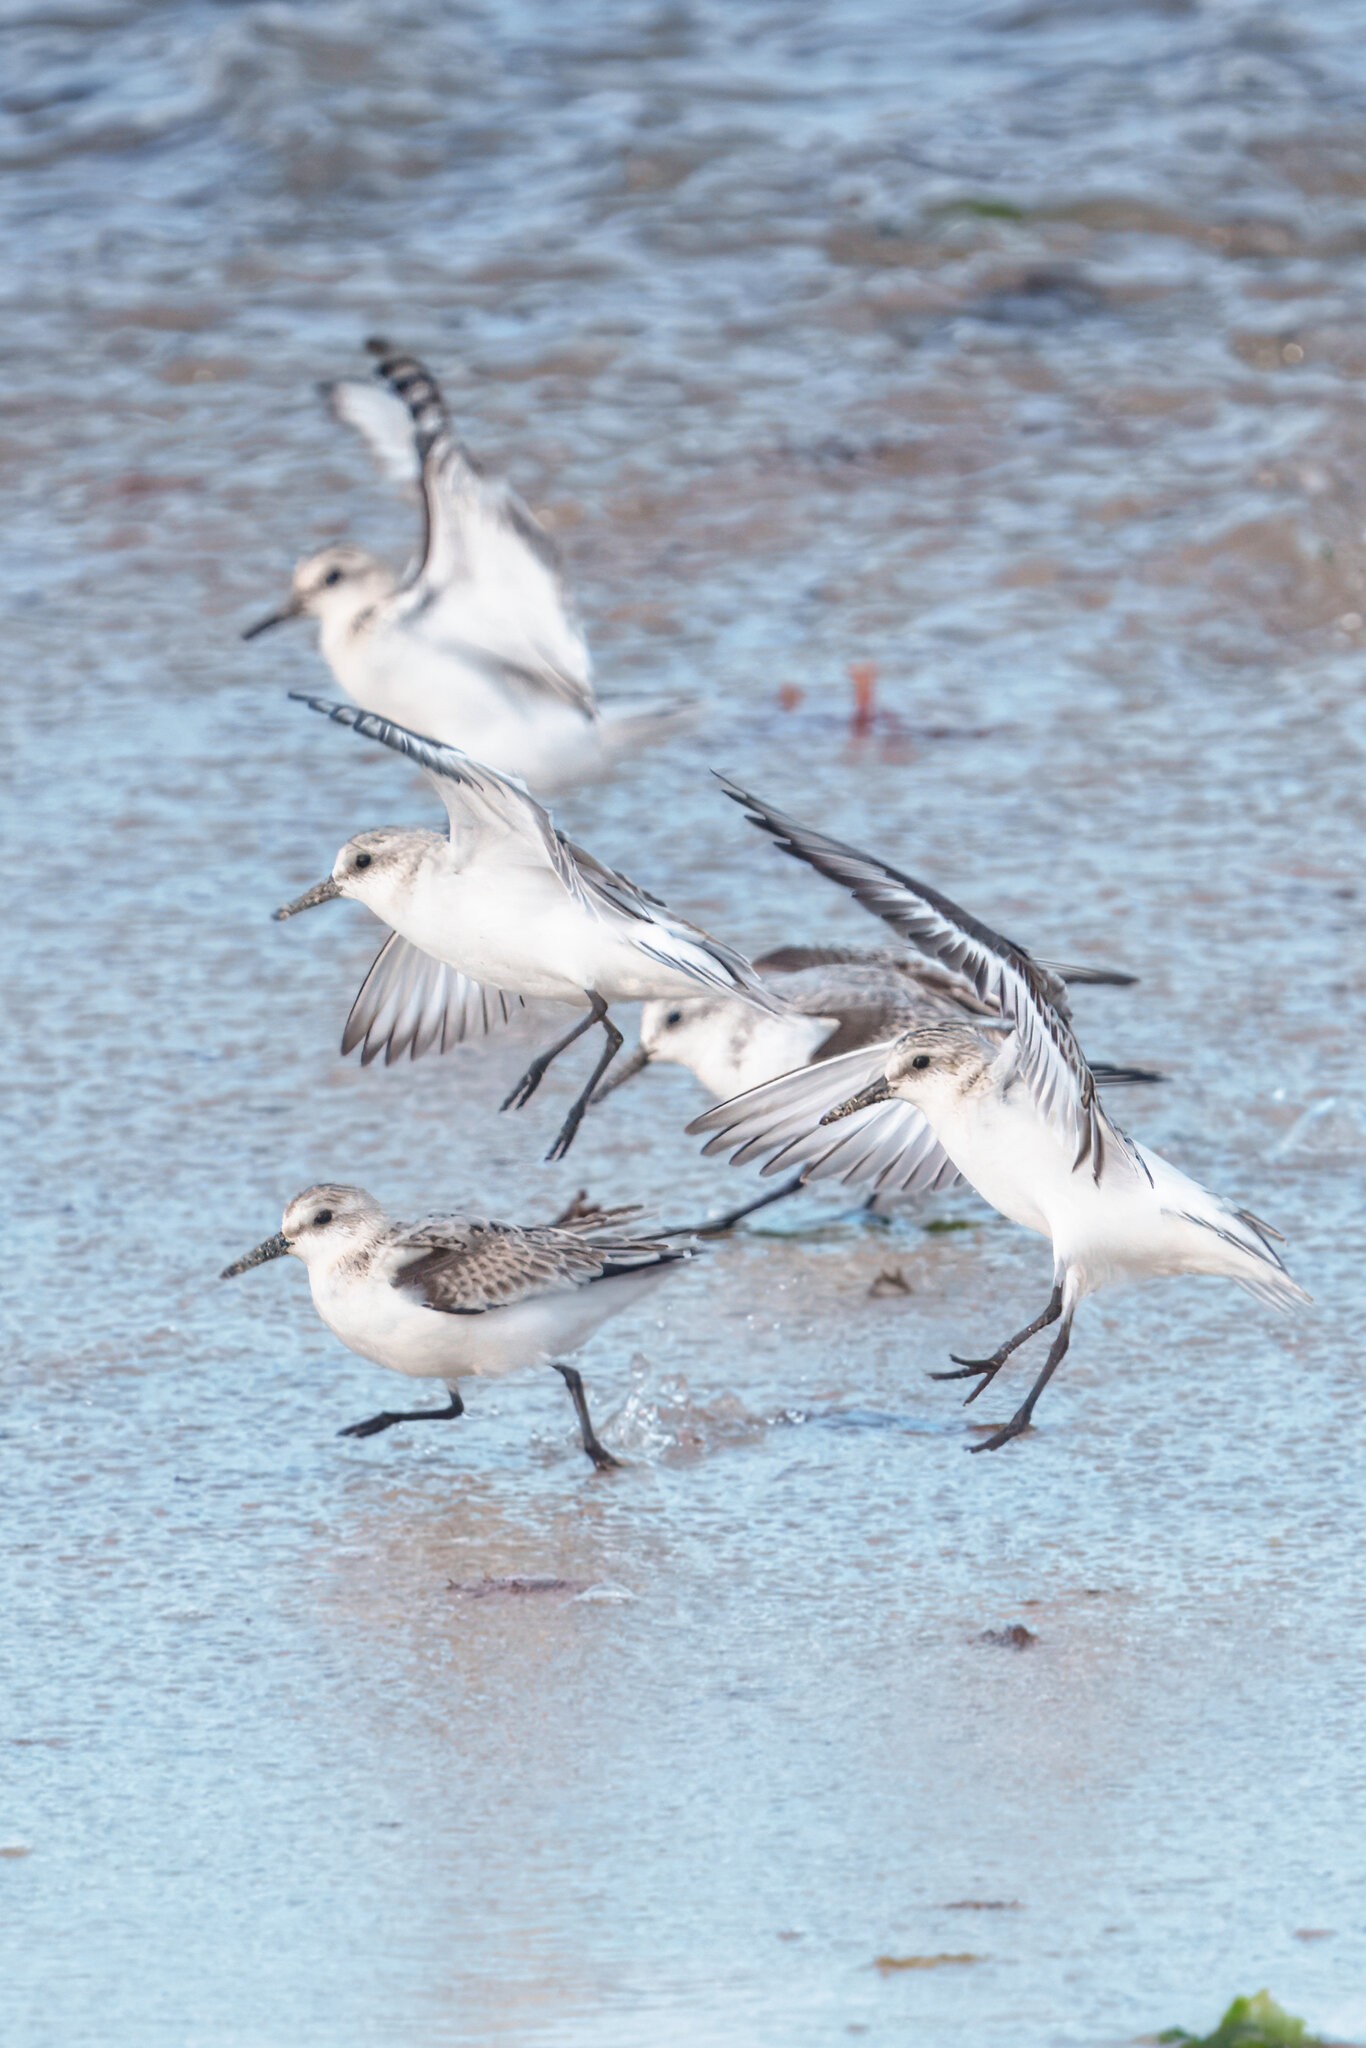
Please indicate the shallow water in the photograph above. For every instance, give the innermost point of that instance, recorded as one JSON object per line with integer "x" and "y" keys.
{"x": 1020, "y": 356}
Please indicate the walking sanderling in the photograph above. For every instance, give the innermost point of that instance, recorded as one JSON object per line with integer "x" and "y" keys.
{"x": 477, "y": 642}
{"x": 834, "y": 1000}
{"x": 1007, "y": 1101}
{"x": 505, "y": 908}
{"x": 460, "y": 1297}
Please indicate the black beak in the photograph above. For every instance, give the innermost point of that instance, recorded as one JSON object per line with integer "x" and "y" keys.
{"x": 281, "y": 618}
{"x": 636, "y": 1064}
{"x": 321, "y": 892}
{"x": 876, "y": 1091}
{"x": 273, "y": 1248}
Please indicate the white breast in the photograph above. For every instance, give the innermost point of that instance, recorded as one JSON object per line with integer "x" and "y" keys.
{"x": 391, "y": 1327}
{"x": 1003, "y": 1148}
{"x": 744, "y": 1047}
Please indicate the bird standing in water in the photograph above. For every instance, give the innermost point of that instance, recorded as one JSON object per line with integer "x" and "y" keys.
{"x": 459, "y": 1297}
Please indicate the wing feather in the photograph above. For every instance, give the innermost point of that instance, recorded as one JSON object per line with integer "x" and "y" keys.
{"x": 1003, "y": 976}
{"x": 887, "y": 1146}
{"x": 408, "y": 1001}
{"x": 488, "y": 582}
{"x": 383, "y": 422}
{"x": 462, "y": 1266}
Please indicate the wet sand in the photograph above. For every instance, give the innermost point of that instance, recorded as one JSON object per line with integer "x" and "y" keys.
{"x": 1021, "y": 359}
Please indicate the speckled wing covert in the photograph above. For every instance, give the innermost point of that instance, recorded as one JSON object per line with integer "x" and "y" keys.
{"x": 888, "y": 1147}
{"x": 867, "y": 997}
{"x": 463, "y": 1267}
{"x": 409, "y": 1002}
{"x": 488, "y": 582}
{"x": 1014, "y": 986}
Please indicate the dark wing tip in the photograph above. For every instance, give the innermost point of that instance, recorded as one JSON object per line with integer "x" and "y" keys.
{"x": 1092, "y": 977}
{"x": 757, "y": 813}
{"x": 344, "y": 714}
{"x": 1107, "y": 1075}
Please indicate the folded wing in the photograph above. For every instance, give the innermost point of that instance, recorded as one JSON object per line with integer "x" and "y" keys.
{"x": 465, "y": 1267}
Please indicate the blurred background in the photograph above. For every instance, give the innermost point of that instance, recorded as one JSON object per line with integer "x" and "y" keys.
{"x": 1009, "y": 356}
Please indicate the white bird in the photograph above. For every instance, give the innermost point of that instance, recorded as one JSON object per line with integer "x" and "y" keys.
{"x": 459, "y": 1297}
{"x": 1009, "y": 1103}
{"x": 833, "y": 1000}
{"x": 476, "y": 643}
{"x": 504, "y": 909}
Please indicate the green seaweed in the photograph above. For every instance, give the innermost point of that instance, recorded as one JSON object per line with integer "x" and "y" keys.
{"x": 939, "y": 1226}
{"x": 1256, "y": 2022}
{"x": 984, "y": 209}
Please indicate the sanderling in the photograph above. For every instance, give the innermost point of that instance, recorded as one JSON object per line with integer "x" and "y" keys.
{"x": 834, "y": 1000}
{"x": 505, "y": 908}
{"x": 477, "y": 642}
{"x": 1008, "y": 1102}
{"x": 459, "y": 1297}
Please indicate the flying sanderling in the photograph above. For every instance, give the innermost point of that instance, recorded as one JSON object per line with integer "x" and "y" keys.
{"x": 459, "y": 1297}
{"x": 1009, "y": 1102}
{"x": 503, "y": 909}
{"x": 477, "y": 642}
{"x": 833, "y": 1000}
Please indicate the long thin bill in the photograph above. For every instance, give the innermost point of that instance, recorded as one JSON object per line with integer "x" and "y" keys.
{"x": 876, "y": 1091}
{"x": 273, "y": 1248}
{"x": 321, "y": 892}
{"x": 636, "y": 1064}
{"x": 280, "y": 618}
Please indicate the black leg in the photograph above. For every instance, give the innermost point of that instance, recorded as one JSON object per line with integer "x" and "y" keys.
{"x": 376, "y": 1423}
{"x": 536, "y": 1072}
{"x": 1019, "y": 1421}
{"x": 719, "y": 1224}
{"x": 573, "y": 1379}
{"x": 986, "y": 1369}
{"x": 580, "y": 1103}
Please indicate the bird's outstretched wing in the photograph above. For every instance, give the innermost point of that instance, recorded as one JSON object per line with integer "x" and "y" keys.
{"x": 1003, "y": 975}
{"x": 888, "y": 1147}
{"x": 488, "y": 584}
{"x": 382, "y": 421}
{"x": 478, "y": 800}
{"x": 410, "y": 1003}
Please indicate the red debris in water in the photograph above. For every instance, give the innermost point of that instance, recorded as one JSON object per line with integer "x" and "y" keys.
{"x": 789, "y": 697}
{"x": 863, "y": 676}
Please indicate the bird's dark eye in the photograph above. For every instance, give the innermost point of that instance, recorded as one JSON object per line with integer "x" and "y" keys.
{"x": 363, "y": 860}
{"x": 323, "y": 1216}
{"x": 674, "y": 1017}
{"x": 922, "y": 1059}
{"x": 333, "y": 576}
